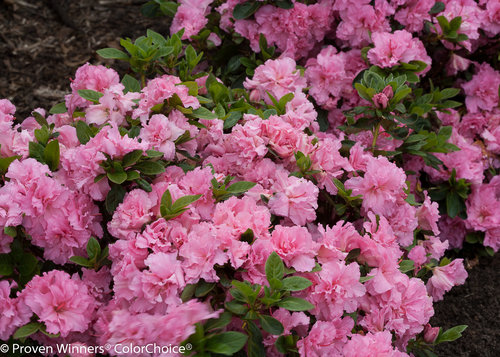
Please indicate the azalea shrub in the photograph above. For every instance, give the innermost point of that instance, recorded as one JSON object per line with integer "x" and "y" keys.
{"x": 270, "y": 178}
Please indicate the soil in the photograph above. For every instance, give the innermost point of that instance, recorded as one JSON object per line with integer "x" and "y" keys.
{"x": 42, "y": 43}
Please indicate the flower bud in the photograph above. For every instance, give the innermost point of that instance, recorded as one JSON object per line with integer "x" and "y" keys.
{"x": 430, "y": 333}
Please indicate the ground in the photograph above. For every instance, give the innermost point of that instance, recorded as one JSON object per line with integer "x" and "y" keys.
{"x": 42, "y": 43}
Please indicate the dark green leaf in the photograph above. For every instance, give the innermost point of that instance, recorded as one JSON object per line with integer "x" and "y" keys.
{"x": 36, "y": 151}
{"x": 51, "y": 155}
{"x": 93, "y": 248}
{"x": 284, "y": 4}
{"x": 112, "y": 53}
{"x": 406, "y": 265}
{"x": 222, "y": 321}
{"x": 59, "y": 108}
{"x": 131, "y": 158}
{"x": 246, "y": 9}
{"x": 27, "y": 330}
{"x": 203, "y": 288}
{"x": 81, "y": 261}
{"x": 83, "y": 132}
{"x": 117, "y": 177}
{"x": 241, "y": 186}
{"x": 295, "y": 304}
{"x": 6, "y": 267}
{"x": 131, "y": 84}
{"x": 6, "y": 161}
{"x": 90, "y": 94}
{"x": 227, "y": 343}
{"x": 204, "y": 113}
{"x": 149, "y": 167}
{"x": 114, "y": 198}
{"x": 188, "y": 292}
{"x": 451, "y": 334}
{"x": 275, "y": 269}
{"x": 271, "y": 325}
{"x": 185, "y": 201}
{"x": 296, "y": 283}
{"x": 437, "y": 8}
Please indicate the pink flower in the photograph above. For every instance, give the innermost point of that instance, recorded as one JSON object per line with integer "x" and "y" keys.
{"x": 278, "y": 77}
{"x": 201, "y": 252}
{"x": 457, "y": 64}
{"x": 13, "y": 311}
{"x": 161, "y": 133}
{"x": 190, "y": 16}
{"x": 62, "y": 303}
{"x": 399, "y": 47}
{"x": 335, "y": 288}
{"x": 382, "y": 184}
{"x": 414, "y": 14}
{"x": 326, "y": 338}
{"x": 445, "y": 277}
{"x": 158, "y": 90}
{"x": 295, "y": 198}
{"x": 482, "y": 89}
{"x": 372, "y": 344}
{"x": 131, "y": 214}
{"x": 428, "y": 215}
{"x": 418, "y": 255}
{"x": 295, "y": 246}
{"x": 96, "y": 78}
{"x": 492, "y": 17}
{"x": 164, "y": 281}
{"x": 330, "y": 76}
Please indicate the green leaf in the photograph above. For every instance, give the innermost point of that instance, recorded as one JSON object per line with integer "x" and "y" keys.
{"x": 59, "y": 108}
{"x": 443, "y": 22}
{"x": 6, "y": 161}
{"x": 10, "y": 231}
{"x": 131, "y": 84}
{"x": 117, "y": 177}
{"x": 149, "y": 167}
{"x": 222, "y": 321}
{"x": 236, "y": 307}
{"x": 81, "y": 261}
{"x": 240, "y": 187}
{"x": 36, "y": 151}
{"x": 453, "y": 204}
{"x": 247, "y": 9}
{"x": 27, "y": 330}
{"x": 6, "y": 267}
{"x": 295, "y": 304}
{"x": 90, "y": 94}
{"x": 271, "y": 325}
{"x": 406, "y": 265}
{"x": 188, "y": 292}
{"x": 203, "y": 288}
{"x": 144, "y": 185}
{"x": 154, "y": 154}
{"x": 451, "y": 334}
{"x": 275, "y": 269}
{"x": 232, "y": 119}
{"x": 185, "y": 201}
{"x": 39, "y": 118}
{"x": 114, "y": 198}
{"x": 284, "y": 4}
{"x": 296, "y": 283}
{"x": 133, "y": 175}
{"x": 227, "y": 343}
{"x": 83, "y": 132}
{"x": 455, "y": 24}
{"x": 131, "y": 158}
{"x": 437, "y": 8}
{"x": 93, "y": 248}
{"x": 51, "y": 155}
{"x": 112, "y": 53}
{"x": 255, "y": 346}
{"x": 204, "y": 113}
